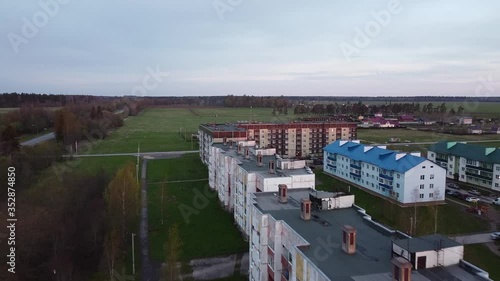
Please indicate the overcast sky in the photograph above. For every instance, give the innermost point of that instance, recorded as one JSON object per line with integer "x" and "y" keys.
{"x": 256, "y": 47}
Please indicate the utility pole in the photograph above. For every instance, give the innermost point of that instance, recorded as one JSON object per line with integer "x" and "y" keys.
{"x": 162, "y": 192}
{"x": 137, "y": 163}
{"x": 133, "y": 254}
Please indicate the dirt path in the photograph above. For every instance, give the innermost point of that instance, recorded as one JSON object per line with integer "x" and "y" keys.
{"x": 146, "y": 268}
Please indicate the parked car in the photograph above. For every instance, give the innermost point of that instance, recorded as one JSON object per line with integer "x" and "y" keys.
{"x": 450, "y": 192}
{"x": 495, "y": 236}
{"x": 496, "y": 201}
{"x": 453, "y": 185}
{"x": 472, "y": 199}
{"x": 475, "y": 192}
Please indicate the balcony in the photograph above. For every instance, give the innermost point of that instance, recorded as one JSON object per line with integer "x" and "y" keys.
{"x": 480, "y": 168}
{"x": 332, "y": 158}
{"x": 383, "y": 185}
{"x": 331, "y": 166}
{"x": 438, "y": 159}
{"x": 355, "y": 166}
{"x": 479, "y": 176}
{"x": 387, "y": 177}
{"x": 355, "y": 175}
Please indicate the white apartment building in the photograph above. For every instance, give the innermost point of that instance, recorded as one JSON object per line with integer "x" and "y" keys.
{"x": 403, "y": 177}
{"x": 473, "y": 164}
{"x": 292, "y": 239}
{"x": 236, "y": 170}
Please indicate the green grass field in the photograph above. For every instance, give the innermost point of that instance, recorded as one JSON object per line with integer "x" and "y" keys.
{"x": 387, "y": 213}
{"x": 165, "y": 129}
{"x": 383, "y": 136}
{"x": 208, "y": 231}
{"x": 479, "y": 255}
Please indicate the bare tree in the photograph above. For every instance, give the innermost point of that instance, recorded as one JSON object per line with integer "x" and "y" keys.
{"x": 172, "y": 253}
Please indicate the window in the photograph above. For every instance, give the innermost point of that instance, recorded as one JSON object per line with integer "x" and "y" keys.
{"x": 397, "y": 185}
{"x": 432, "y": 154}
{"x": 422, "y": 177}
{"x": 423, "y": 167}
{"x": 461, "y": 176}
{"x": 421, "y": 196}
{"x": 496, "y": 184}
{"x": 432, "y": 177}
{"x": 421, "y": 186}
{"x": 498, "y": 168}
{"x": 431, "y": 185}
{"x": 431, "y": 195}
{"x": 372, "y": 185}
{"x": 398, "y": 175}
{"x": 432, "y": 167}
{"x": 397, "y": 194}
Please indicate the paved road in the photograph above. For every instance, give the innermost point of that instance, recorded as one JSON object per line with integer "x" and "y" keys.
{"x": 151, "y": 154}
{"x": 40, "y": 139}
{"x": 473, "y": 238}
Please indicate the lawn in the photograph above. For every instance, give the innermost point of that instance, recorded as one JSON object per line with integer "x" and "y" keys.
{"x": 479, "y": 255}
{"x": 166, "y": 129}
{"x": 208, "y": 231}
{"x": 387, "y": 213}
{"x": 383, "y": 136}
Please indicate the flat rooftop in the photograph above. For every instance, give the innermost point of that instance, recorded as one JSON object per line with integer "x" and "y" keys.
{"x": 372, "y": 261}
{"x": 228, "y": 127}
{"x": 250, "y": 165}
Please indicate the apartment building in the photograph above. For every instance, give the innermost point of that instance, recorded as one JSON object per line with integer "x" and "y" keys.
{"x": 468, "y": 163}
{"x": 293, "y": 237}
{"x": 403, "y": 177}
{"x": 294, "y": 139}
{"x": 238, "y": 169}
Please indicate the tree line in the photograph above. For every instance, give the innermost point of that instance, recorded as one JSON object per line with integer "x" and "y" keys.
{"x": 359, "y": 108}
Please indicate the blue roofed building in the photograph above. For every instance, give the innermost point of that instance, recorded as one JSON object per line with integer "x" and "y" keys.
{"x": 403, "y": 177}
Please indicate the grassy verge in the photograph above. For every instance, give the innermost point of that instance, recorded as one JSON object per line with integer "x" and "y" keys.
{"x": 206, "y": 230}
{"x": 167, "y": 129}
{"x": 451, "y": 219}
{"x": 479, "y": 255}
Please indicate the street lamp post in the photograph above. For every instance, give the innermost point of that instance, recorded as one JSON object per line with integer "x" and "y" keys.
{"x": 33, "y": 125}
{"x": 133, "y": 254}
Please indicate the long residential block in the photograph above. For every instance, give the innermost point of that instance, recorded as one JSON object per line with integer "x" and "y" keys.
{"x": 403, "y": 177}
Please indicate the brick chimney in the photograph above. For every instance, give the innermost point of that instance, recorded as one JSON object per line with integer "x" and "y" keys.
{"x": 224, "y": 140}
{"x": 240, "y": 148}
{"x": 349, "y": 239}
{"x": 283, "y": 192}
{"x": 259, "y": 159}
{"x": 272, "y": 168}
{"x": 305, "y": 209}
{"x": 401, "y": 270}
{"x": 247, "y": 153}
{"x": 231, "y": 144}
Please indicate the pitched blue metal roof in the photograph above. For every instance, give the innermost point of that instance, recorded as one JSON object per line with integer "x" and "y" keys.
{"x": 383, "y": 158}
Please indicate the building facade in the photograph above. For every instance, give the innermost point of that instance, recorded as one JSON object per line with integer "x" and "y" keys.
{"x": 292, "y": 239}
{"x": 294, "y": 139}
{"x": 468, "y": 163}
{"x": 238, "y": 169}
{"x": 403, "y": 177}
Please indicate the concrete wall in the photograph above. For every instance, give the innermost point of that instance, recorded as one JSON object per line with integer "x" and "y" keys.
{"x": 412, "y": 190}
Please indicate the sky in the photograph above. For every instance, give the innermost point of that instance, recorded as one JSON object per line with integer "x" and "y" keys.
{"x": 252, "y": 47}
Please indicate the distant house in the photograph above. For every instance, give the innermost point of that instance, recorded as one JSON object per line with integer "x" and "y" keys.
{"x": 475, "y": 130}
{"x": 406, "y": 118}
{"x": 495, "y": 130}
{"x": 465, "y": 120}
{"x": 427, "y": 121}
